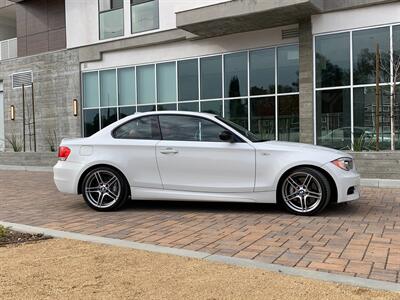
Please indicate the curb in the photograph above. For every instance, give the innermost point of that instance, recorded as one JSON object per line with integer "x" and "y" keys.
{"x": 316, "y": 275}
{"x": 25, "y": 168}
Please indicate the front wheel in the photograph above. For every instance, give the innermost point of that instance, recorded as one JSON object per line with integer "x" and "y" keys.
{"x": 304, "y": 191}
{"x": 105, "y": 189}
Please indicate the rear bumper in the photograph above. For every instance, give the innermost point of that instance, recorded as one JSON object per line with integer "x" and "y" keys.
{"x": 347, "y": 183}
{"x": 66, "y": 176}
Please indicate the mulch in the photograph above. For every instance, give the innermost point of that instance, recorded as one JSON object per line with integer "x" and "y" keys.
{"x": 14, "y": 238}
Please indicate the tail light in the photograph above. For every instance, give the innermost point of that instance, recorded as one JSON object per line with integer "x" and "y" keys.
{"x": 63, "y": 152}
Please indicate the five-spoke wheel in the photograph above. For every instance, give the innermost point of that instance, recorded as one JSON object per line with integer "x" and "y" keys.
{"x": 305, "y": 191}
{"x": 104, "y": 189}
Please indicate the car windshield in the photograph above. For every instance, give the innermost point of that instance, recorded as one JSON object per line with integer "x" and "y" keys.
{"x": 243, "y": 131}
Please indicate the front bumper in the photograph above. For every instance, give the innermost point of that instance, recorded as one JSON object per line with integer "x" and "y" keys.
{"x": 347, "y": 183}
{"x": 66, "y": 176}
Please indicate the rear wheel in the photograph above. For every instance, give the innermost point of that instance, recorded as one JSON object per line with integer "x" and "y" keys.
{"x": 304, "y": 191}
{"x": 105, "y": 189}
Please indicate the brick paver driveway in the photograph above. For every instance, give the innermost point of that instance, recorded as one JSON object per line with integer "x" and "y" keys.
{"x": 359, "y": 239}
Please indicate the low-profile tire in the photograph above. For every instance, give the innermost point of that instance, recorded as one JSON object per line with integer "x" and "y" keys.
{"x": 105, "y": 189}
{"x": 304, "y": 191}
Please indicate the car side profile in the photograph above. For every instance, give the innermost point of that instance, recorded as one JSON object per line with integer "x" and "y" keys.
{"x": 170, "y": 155}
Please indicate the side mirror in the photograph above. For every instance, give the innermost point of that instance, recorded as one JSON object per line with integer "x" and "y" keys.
{"x": 226, "y": 136}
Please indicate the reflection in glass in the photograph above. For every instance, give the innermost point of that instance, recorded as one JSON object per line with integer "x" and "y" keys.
{"x": 126, "y": 111}
{"x": 334, "y": 119}
{"x": 188, "y": 84}
{"x": 108, "y": 88}
{"x": 211, "y": 107}
{"x": 188, "y": 106}
{"x": 364, "y": 118}
{"x": 91, "y": 121}
{"x": 146, "y": 85}
{"x": 111, "y": 23}
{"x": 144, "y": 15}
{"x": 108, "y": 116}
{"x": 262, "y": 72}
{"x": 236, "y": 111}
{"x": 211, "y": 77}
{"x": 364, "y": 54}
{"x": 90, "y": 89}
{"x": 288, "y": 118}
{"x": 126, "y": 86}
{"x": 332, "y": 55}
{"x": 262, "y": 117}
{"x": 166, "y": 107}
{"x": 235, "y": 66}
{"x": 288, "y": 69}
{"x": 145, "y": 108}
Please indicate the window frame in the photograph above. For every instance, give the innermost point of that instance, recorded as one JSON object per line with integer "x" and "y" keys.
{"x": 106, "y": 11}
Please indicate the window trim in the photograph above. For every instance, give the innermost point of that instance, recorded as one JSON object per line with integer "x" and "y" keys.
{"x": 106, "y": 11}
{"x": 158, "y": 16}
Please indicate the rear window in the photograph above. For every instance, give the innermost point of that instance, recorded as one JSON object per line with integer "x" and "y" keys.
{"x": 145, "y": 128}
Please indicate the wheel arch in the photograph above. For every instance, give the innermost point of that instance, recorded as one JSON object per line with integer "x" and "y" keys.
{"x": 328, "y": 176}
{"x": 92, "y": 167}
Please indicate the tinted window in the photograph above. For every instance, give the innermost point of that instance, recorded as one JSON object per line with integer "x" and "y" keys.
{"x": 145, "y": 128}
{"x": 187, "y": 128}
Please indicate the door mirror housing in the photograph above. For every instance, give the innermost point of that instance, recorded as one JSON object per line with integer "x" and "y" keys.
{"x": 226, "y": 136}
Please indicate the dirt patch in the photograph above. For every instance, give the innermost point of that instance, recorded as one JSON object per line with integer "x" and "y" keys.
{"x": 9, "y": 237}
{"x": 65, "y": 269}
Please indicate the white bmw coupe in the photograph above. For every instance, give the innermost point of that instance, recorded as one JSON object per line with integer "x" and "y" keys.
{"x": 191, "y": 156}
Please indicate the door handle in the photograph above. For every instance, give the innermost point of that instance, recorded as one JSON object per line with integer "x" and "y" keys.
{"x": 169, "y": 151}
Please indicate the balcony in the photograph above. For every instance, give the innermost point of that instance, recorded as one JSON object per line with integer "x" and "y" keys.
{"x": 8, "y": 49}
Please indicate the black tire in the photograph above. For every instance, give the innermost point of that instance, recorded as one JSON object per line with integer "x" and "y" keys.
{"x": 113, "y": 192}
{"x": 318, "y": 185}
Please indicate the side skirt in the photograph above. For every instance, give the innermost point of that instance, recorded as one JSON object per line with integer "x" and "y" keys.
{"x": 172, "y": 195}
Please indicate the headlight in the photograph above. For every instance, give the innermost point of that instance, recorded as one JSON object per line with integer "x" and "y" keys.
{"x": 345, "y": 163}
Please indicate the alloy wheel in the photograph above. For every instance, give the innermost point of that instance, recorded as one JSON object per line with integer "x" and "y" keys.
{"x": 102, "y": 189}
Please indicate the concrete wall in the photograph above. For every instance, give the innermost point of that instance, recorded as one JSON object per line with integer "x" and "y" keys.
{"x": 56, "y": 83}
{"x": 86, "y": 31}
{"x": 383, "y": 165}
{"x": 39, "y": 159}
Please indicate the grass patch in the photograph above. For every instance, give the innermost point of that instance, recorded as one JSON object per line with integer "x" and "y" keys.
{"x": 3, "y": 231}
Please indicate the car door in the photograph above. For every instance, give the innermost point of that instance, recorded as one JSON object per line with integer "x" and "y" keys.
{"x": 192, "y": 157}
{"x": 134, "y": 148}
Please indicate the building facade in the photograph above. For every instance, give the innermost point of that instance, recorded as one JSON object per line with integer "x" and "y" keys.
{"x": 299, "y": 70}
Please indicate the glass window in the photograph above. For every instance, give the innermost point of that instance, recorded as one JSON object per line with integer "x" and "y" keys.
{"x": 108, "y": 88}
{"x": 288, "y": 69}
{"x": 262, "y": 117}
{"x": 166, "y": 82}
{"x": 188, "y": 83}
{"x": 365, "y": 121}
{"x": 235, "y": 66}
{"x": 90, "y": 89}
{"x": 332, "y": 55}
{"x": 333, "y": 119}
{"x": 146, "y": 84}
{"x": 91, "y": 121}
{"x": 211, "y": 77}
{"x": 288, "y": 118}
{"x": 396, "y": 47}
{"x": 164, "y": 107}
{"x": 211, "y": 107}
{"x": 364, "y": 54}
{"x": 126, "y": 111}
{"x": 262, "y": 72}
{"x": 126, "y": 86}
{"x": 111, "y": 19}
{"x": 237, "y": 111}
{"x": 144, "y": 15}
{"x": 187, "y": 128}
{"x": 189, "y": 106}
{"x": 110, "y": 4}
{"x": 146, "y": 108}
{"x": 145, "y": 128}
{"x": 108, "y": 116}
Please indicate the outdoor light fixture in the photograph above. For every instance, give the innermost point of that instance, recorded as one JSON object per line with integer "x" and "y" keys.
{"x": 75, "y": 107}
{"x": 12, "y": 112}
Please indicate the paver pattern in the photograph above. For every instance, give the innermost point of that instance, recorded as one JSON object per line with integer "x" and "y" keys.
{"x": 360, "y": 239}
